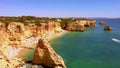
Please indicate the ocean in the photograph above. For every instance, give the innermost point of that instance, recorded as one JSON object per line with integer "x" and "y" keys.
{"x": 93, "y": 48}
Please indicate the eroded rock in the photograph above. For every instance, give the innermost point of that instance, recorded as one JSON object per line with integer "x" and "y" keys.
{"x": 108, "y": 28}
{"x": 74, "y": 27}
{"x": 80, "y": 25}
{"x": 102, "y": 22}
{"x": 46, "y": 56}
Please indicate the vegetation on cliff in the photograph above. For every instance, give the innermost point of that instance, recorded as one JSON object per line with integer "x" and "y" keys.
{"x": 38, "y": 20}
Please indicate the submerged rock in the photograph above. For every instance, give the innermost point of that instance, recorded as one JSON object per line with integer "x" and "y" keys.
{"x": 46, "y": 56}
{"x": 107, "y": 28}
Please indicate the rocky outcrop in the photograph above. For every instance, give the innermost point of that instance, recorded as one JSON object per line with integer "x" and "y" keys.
{"x": 102, "y": 22}
{"x": 80, "y": 25}
{"x": 74, "y": 27}
{"x": 13, "y": 63}
{"x": 15, "y": 27}
{"x": 45, "y": 28}
{"x": 46, "y": 56}
{"x": 108, "y": 28}
{"x": 49, "y": 27}
{"x": 15, "y": 31}
{"x": 90, "y": 23}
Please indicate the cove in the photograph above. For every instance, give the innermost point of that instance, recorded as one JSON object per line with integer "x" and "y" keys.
{"x": 93, "y": 48}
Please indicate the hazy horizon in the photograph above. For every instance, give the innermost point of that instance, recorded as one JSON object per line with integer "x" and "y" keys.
{"x": 61, "y": 8}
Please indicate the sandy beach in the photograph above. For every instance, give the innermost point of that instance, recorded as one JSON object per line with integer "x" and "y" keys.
{"x": 54, "y": 35}
{"x": 49, "y": 37}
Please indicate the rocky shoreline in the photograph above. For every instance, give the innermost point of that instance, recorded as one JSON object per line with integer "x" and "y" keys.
{"x": 16, "y": 36}
{"x": 48, "y": 38}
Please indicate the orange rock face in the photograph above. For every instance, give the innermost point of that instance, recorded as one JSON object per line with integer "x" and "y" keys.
{"x": 107, "y": 28}
{"x": 15, "y": 31}
{"x": 80, "y": 25}
{"x": 74, "y": 27}
{"x": 102, "y": 23}
{"x": 46, "y": 56}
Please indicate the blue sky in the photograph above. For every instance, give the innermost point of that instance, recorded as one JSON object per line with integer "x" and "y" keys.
{"x": 60, "y": 8}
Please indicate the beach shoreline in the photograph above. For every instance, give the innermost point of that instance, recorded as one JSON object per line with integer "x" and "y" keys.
{"x": 55, "y": 35}
{"x": 49, "y": 37}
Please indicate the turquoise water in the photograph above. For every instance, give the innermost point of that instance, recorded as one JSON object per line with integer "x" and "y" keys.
{"x": 93, "y": 48}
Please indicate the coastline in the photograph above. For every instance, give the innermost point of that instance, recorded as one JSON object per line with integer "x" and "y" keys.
{"x": 49, "y": 37}
{"x": 23, "y": 38}
{"x": 54, "y": 35}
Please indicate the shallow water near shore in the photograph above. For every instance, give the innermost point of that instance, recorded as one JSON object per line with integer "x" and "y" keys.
{"x": 93, "y": 48}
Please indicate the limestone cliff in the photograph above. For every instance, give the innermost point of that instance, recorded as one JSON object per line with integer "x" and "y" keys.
{"x": 49, "y": 27}
{"x": 74, "y": 27}
{"x": 45, "y": 55}
{"x": 79, "y": 25}
{"x": 34, "y": 31}
{"x": 15, "y": 31}
{"x": 15, "y": 35}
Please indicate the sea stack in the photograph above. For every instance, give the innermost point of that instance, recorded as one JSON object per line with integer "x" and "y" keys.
{"x": 107, "y": 28}
{"x": 46, "y": 56}
{"x": 102, "y": 22}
